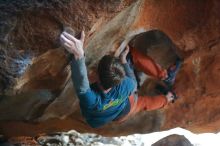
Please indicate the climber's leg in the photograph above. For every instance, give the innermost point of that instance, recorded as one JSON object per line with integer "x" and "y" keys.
{"x": 147, "y": 65}
{"x": 145, "y": 103}
{"x": 149, "y": 103}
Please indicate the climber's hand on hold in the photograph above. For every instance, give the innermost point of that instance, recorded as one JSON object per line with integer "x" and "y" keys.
{"x": 73, "y": 45}
{"x": 124, "y": 55}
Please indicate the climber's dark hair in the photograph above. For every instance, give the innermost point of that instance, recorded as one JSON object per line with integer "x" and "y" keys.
{"x": 110, "y": 71}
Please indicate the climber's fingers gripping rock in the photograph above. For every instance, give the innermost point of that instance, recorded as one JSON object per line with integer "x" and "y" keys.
{"x": 73, "y": 45}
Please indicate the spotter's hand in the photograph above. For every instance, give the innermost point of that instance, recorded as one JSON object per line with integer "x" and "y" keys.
{"x": 73, "y": 45}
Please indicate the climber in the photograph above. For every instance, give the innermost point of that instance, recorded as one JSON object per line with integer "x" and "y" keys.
{"x": 113, "y": 97}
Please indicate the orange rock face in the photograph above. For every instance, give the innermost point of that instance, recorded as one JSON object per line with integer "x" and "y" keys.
{"x": 42, "y": 99}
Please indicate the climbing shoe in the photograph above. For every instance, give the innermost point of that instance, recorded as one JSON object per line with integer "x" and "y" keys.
{"x": 171, "y": 73}
{"x": 173, "y": 97}
{"x": 165, "y": 91}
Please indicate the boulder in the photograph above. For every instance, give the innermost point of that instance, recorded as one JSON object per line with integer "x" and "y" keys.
{"x": 174, "y": 140}
{"x": 41, "y": 98}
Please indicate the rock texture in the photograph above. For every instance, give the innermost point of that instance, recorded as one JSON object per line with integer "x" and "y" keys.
{"x": 41, "y": 98}
{"x": 73, "y": 138}
{"x": 176, "y": 136}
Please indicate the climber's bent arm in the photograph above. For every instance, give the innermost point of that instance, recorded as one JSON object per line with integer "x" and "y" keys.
{"x": 127, "y": 67}
{"x": 128, "y": 71}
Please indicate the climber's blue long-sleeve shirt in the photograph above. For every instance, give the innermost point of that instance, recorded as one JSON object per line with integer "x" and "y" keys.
{"x": 96, "y": 106}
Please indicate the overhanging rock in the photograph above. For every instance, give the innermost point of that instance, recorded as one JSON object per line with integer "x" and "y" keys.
{"x": 191, "y": 28}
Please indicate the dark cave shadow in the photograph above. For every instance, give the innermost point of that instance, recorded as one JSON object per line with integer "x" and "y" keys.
{"x": 157, "y": 45}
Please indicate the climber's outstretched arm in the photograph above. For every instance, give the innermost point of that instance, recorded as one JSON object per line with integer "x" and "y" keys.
{"x": 78, "y": 67}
